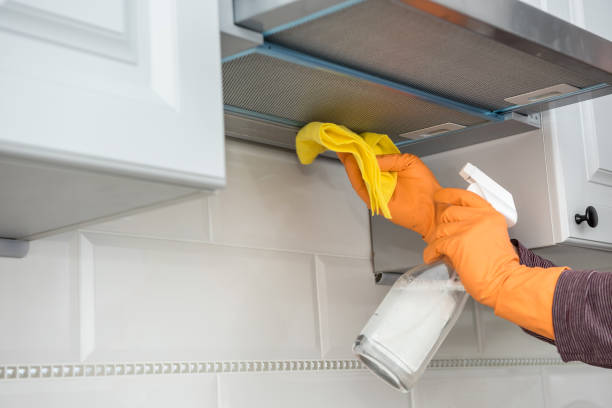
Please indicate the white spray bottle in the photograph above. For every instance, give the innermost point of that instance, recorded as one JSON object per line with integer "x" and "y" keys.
{"x": 410, "y": 324}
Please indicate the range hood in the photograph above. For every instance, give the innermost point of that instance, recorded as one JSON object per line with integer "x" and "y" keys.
{"x": 434, "y": 75}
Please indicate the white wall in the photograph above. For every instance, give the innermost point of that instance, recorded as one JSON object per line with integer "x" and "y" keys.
{"x": 251, "y": 297}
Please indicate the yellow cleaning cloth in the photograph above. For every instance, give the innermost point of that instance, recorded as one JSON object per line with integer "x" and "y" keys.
{"x": 316, "y": 137}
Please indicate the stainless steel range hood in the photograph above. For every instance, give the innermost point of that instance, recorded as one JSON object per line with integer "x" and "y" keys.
{"x": 471, "y": 70}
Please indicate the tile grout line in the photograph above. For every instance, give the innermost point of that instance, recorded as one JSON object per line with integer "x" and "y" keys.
{"x": 67, "y": 370}
{"x": 544, "y": 388}
{"x": 210, "y": 219}
{"x": 75, "y": 267}
{"x": 478, "y": 327}
{"x": 220, "y": 244}
{"x": 412, "y": 399}
{"x": 218, "y": 389}
{"x": 86, "y": 295}
{"x": 322, "y": 309}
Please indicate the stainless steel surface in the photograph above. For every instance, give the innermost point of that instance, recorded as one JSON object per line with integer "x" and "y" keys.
{"x": 233, "y": 44}
{"x": 528, "y": 29}
{"x": 510, "y": 22}
{"x": 452, "y": 54}
{"x": 13, "y": 248}
{"x": 263, "y": 15}
{"x": 394, "y": 248}
{"x": 234, "y": 39}
{"x": 388, "y": 278}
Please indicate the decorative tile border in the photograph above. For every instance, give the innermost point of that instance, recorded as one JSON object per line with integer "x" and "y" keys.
{"x": 495, "y": 362}
{"x": 167, "y": 368}
{"x": 17, "y": 371}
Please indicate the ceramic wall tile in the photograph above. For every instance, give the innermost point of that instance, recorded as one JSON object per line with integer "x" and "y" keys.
{"x": 307, "y": 390}
{"x": 479, "y": 388}
{"x": 168, "y": 300}
{"x": 39, "y": 303}
{"x": 505, "y": 339}
{"x": 463, "y": 340}
{"x": 184, "y": 220}
{"x": 578, "y": 387}
{"x": 272, "y": 201}
{"x": 280, "y": 272}
{"x": 348, "y": 297}
{"x": 129, "y": 391}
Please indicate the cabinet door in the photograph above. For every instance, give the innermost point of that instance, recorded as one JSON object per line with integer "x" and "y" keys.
{"x": 130, "y": 86}
{"x": 582, "y": 142}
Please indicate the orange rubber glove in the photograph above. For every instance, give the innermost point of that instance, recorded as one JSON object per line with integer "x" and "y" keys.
{"x": 474, "y": 238}
{"x": 412, "y": 204}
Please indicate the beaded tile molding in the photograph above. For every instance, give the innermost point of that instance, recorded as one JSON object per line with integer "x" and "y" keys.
{"x": 170, "y": 368}
{"x": 17, "y": 371}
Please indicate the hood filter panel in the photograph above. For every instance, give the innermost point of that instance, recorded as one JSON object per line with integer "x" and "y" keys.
{"x": 273, "y": 87}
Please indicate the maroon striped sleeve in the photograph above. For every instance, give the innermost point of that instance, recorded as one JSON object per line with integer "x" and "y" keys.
{"x": 582, "y": 317}
{"x": 582, "y": 312}
{"x": 528, "y": 258}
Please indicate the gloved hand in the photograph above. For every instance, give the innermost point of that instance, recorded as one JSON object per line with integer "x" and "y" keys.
{"x": 474, "y": 238}
{"x": 412, "y": 203}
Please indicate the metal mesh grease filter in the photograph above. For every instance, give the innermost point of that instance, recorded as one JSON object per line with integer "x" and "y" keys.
{"x": 394, "y": 41}
{"x": 265, "y": 84}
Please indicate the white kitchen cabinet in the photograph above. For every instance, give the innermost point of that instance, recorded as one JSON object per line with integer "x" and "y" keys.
{"x": 579, "y": 166}
{"x": 579, "y": 148}
{"x": 106, "y": 106}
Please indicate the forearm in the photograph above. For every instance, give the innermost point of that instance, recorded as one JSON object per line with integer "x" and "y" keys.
{"x": 582, "y": 312}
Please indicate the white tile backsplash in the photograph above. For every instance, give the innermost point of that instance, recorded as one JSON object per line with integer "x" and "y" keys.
{"x": 39, "y": 303}
{"x": 159, "y": 299}
{"x": 480, "y": 388}
{"x": 276, "y": 267}
{"x": 347, "y": 299}
{"x": 132, "y": 391}
{"x": 272, "y": 201}
{"x": 307, "y": 390}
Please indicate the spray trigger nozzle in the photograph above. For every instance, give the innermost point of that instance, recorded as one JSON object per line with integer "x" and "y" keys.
{"x": 487, "y": 188}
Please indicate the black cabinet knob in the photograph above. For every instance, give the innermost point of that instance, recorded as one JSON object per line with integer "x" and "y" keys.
{"x": 590, "y": 216}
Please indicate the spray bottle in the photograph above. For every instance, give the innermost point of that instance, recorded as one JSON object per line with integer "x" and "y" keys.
{"x": 423, "y": 305}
